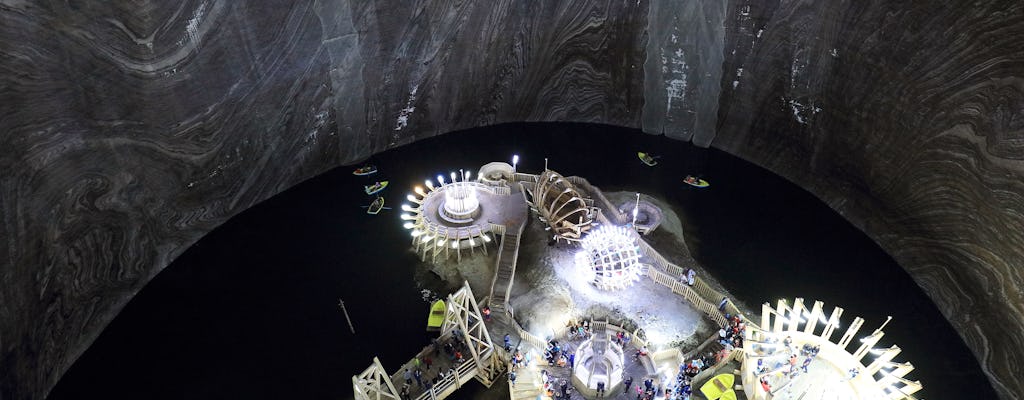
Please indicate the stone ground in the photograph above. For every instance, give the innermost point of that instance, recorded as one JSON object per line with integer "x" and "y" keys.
{"x": 548, "y": 291}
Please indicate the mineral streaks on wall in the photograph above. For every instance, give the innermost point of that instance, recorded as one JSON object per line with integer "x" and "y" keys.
{"x": 906, "y": 119}
{"x": 348, "y": 92}
{"x": 129, "y": 130}
{"x": 456, "y": 65}
{"x": 683, "y": 69}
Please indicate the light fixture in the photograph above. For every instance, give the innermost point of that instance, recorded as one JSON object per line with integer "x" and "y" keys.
{"x": 429, "y": 183}
{"x": 409, "y": 225}
{"x": 419, "y": 191}
{"x": 453, "y": 176}
{"x": 440, "y": 179}
{"x": 406, "y": 207}
{"x": 408, "y": 217}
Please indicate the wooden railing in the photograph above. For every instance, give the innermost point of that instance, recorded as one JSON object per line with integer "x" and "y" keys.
{"x": 445, "y": 387}
{"x": 695, "y": 299}
{"x": 701, "y": 295}
{"x": 735, "y": 355}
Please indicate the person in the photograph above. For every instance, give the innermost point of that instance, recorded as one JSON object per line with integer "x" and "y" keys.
{"x": 721, "y": 304}
{"x": 600, "y": 389}
{"x": 508, "y": 342}
{"x": 487, "y": 313}
{"x": 512, "y": 378}
{"x": 407, "y": 375}
{"x": 628, "y": 382}
{"x": 691, "y": 276}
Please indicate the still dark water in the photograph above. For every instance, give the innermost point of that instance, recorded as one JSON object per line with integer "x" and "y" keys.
{"x": 250, "y": 311}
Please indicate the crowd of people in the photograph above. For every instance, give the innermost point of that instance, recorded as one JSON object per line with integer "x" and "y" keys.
{"x": 730, "y": 336}
{"x": 578, "y": 330}
{"x": 785, "y": 361}
{"x": 451, "y": 348}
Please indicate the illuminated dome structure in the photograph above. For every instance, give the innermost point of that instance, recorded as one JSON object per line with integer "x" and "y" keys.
{"x": 795, "y": 356}
{"x": 611, "y": 256}
{"x": 557, "y": 202}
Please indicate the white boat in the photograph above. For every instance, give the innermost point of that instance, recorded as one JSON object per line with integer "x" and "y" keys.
{"x": 376, "y": 206}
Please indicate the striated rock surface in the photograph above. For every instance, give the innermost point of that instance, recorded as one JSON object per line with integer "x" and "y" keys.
{"x": 909, "y": 121}
{"x": 129, "y": 129}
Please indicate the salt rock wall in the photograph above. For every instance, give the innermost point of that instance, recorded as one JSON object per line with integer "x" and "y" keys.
{"x": 907, "y": 119}
{"x": 129, "y": 129}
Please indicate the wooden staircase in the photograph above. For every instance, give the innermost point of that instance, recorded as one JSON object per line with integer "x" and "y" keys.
{"x": 501, "y": 286}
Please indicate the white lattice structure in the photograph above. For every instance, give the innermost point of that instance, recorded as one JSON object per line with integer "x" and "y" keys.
{"x": 463, "y": 314}
{"x": 462, "y": 319}
{"x": 374, "y": 384}
{"x": 558, "y": 204}
{"x": 610, "y": 257}
{"x": 835, "y": 372}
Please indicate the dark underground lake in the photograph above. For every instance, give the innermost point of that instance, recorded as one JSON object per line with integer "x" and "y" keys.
{"x": 251, "y": 309}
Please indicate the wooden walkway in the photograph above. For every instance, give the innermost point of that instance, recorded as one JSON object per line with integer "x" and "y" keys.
{"x": 460, "y": 375}
{"x": 505, "y": 273}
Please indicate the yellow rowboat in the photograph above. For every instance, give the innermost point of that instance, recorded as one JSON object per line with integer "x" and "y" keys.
{"x": 375, "y": 187}
{"x": 719, "y": 387}
{"x": 436, "y": 317}
{"x": 647, "y": 159}
{"x": 695, "y": 181}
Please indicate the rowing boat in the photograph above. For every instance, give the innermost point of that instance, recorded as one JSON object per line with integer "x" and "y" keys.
{"x": 436, "y": 317}
{"x": 696, "y": 182}
{"x": 365, "y": 170}
{"x": 719, "y": 386}
{"x": 375, "y": 187}
{"x": 376, "y": 206}
{"x": 647, "y": 159}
